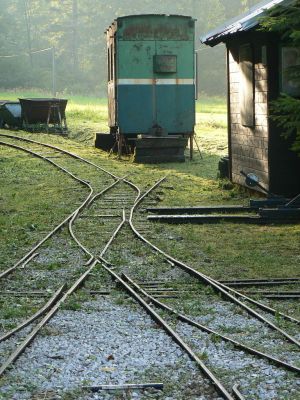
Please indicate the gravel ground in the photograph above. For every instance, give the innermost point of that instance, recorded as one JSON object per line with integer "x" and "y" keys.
{"x": 256, "y": 378}
{"x": 226, "y": 318}
{"x": 104, "y": 343}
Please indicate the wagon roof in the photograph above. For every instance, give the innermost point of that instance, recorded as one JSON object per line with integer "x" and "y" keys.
{"x": 150, "y": 15}
{"x": 154, "y": 15}
{"x": 241, "y": 23}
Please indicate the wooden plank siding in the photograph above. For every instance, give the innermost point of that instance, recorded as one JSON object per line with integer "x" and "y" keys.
{"x": 249, "y": 144}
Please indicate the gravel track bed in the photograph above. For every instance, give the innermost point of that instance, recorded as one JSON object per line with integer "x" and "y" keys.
{"x": 257, "y": 378}
{"x": 104, "y": 343}
{"x": 222, "y": 316}
{"x": 9, "y": 345}
{"x": 231, "y": 321}
{"x": 57, "y": 261}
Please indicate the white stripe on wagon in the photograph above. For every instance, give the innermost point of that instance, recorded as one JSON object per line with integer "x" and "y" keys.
{"x": 159, "y": 81}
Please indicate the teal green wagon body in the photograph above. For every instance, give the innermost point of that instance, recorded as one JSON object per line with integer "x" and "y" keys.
{"x": 151, "y": 74}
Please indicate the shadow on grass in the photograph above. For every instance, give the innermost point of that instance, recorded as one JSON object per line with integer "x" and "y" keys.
{"x": 205, "y": 167}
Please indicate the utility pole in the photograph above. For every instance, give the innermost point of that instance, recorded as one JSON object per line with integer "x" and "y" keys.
{"x": 28, "y": 30}
{"x": 53, "y": 73}
{"x": 75, "y": 34}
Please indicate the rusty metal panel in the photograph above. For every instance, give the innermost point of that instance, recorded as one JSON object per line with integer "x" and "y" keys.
{"x": 37, "y": 111}
{"x": 155, "y": 27}
{"x": 165, "y": 63}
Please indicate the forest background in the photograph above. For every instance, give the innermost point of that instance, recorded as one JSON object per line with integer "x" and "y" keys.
{"x": 75, "y": 30}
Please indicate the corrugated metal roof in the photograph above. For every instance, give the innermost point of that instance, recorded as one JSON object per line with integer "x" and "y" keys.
{"x": 242, "y": 23}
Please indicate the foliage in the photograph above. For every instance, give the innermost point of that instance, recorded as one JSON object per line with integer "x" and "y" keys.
{"x": 75, "y": 29}
{"x": 285, "y": 20}
{"x": 286, "y": 112}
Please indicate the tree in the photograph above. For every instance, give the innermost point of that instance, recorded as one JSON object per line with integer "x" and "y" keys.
{"x": 285, "y": 20}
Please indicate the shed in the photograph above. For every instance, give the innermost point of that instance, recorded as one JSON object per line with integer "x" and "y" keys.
{"x": 256, "y": 65}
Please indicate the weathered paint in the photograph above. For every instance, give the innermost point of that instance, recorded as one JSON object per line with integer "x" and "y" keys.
{"x": 138, "y": 116}
{"x": 154, "y": 80}
{"x": 155, "y": 27}
{"x": 158, "y": 81}
{"x": 136, "y": 59}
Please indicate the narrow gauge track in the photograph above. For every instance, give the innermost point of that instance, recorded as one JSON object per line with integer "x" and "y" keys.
{"x": 220, "y": 387}
{"x": 17, "y": 271}
{"x": 32, "y": 254}
{"x": 77, "y": 284}
{"x": 216, "y": 382}
{"x": 55, "y": 153}
{"x": 171, "y": 262}
{"x": 228, "y": 293}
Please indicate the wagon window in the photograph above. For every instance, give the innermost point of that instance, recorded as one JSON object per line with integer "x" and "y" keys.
{"x": 246, "y": 85}
{"x": 290, "y": 64}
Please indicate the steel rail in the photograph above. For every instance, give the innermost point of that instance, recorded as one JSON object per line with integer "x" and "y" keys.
{"x": 76, "y": 214}
{"x": 272, "y": 292}
{"x": 236, "y": 391}
{"x": 59, "y": 226}
{"x": 19, "y": 350}
{"x": 76, "y": 157}
{"x": 100, "y": 258}
{"x": 154, "y": 315}
{"x": 258, "y": 304}
{"x": 141, "y": 197}
{"x": 224, "y": 290}
{"x": 173, "y": 260}
{"x": 29, "y": 338}
{"x": 220, "y": 388}
{"x": 61, "y": 150}
{"x": 282, "y": 296}
{"x": 126, "y": 386}
{"x": 11, "y": 269}
{"x": 112, "y": 238}
{"x": 254, "y": 282}
{"x": 218, "y": 385}
{"x": 196, "y": 324}
{"x": 97, "y": 195}
{"x": 38, "y": 314}
{"x": 84, "y": 248}
{"x": 15, "y": 355}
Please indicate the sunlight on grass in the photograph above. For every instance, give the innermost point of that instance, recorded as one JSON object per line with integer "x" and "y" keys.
{"x": 233, "y": 250}
{"x": 88, "y": 115}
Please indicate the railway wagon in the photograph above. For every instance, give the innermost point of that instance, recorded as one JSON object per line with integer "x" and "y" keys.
{"x": 151, "y": 83}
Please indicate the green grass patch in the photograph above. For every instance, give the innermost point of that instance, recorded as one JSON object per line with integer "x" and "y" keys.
{"x": 220, "y": 250}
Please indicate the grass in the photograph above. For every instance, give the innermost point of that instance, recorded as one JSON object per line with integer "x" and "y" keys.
{"x": 88, "y": 115}
{"x": 29, "y": 189}
{"x": 220, "y": 250}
